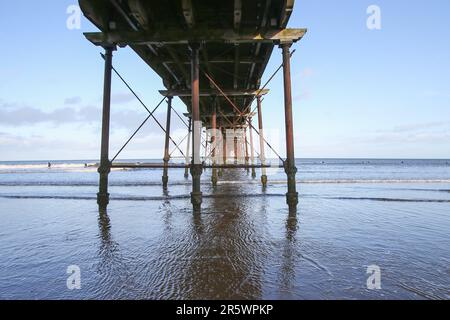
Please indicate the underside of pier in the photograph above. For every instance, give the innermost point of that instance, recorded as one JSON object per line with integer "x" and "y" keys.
{"x": 212, "y": 55}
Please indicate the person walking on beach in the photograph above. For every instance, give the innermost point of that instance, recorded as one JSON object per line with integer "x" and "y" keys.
{"x": 49, "y": 165}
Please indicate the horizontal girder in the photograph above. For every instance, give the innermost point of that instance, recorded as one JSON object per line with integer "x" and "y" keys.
{"x": 179, "y": 36}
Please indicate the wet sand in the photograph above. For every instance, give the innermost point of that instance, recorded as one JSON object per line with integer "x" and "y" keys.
{"x": 244, "y": 245}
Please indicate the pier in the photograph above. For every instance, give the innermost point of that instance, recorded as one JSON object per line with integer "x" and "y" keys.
{"x": 211, "y": 55}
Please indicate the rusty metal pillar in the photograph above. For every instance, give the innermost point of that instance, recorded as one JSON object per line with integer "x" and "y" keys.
{"x": 219, "y": 154}
{"x": 252, "y": 150}
{"x": 246, "y": 149}
{"x": 235, "y": 147}
{"x": 196, "y": 167}
{"x": 188, "y": 147}
{"x": 165, "y": 177}
{"x": 105, "y": 165}
{"x": 289, "y": 165}
{"x": 261, "y": 143}
{"x": 206, "y": 145}
{"x": 214, "y": 142}
{"x": 224, "y": 145}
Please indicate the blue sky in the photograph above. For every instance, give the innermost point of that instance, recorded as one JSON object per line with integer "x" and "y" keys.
{"x": 357, "y": 92}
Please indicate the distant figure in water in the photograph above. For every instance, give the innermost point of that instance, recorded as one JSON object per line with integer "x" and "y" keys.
{"x": 85, "y": 165}
{"x": 49, "y": 165}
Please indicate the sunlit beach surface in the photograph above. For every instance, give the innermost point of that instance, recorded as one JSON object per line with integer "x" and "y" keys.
{"x": 149, "y": 245}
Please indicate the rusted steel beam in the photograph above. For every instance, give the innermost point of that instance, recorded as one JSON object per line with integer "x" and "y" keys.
{"x": 246, "y": 147}
{"x": 247, "y": 108}
{"x": 223, "y": 93}
{"x": 252, "y": 150}
{"x": 208, "y": 93}
{"x": 240, "y": 113}
{"x": 261, "y": 142}
{"x": 214, "y": 142}
{"x": 180, "y": 36}
{"x": 290, "y": 168}
{"x": 206, "y": 145}
{"x": 224, "y": 145}
{"x": 105, "y": 164}
{"x": 196, "y": 167}
{"x": 186, "y": 172}
{"x": 165, "y": 177}
{"x": 206, "y": 61}
{"x": 235, "y": 147}
{"x": 219, "y": 151}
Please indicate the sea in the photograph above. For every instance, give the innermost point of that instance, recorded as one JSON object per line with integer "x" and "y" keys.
{"x": 364, "y": 229}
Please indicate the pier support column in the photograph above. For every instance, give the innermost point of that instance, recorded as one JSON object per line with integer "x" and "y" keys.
{"x": 235, "y": 147}
{"x": 289, "y": 165}
{"x": 196, "y": 167}
{"x": 224, "y": 145}
{"x": 206, "y": 146}
{"x": 165, "y": 177}
{"x": 261, "y": 143}
{"x": 252, "y": 150}
{"x": 219, "y": 150}
{"x": 105, "y": 165}
{"x": 188, "y": 147}
{"x": 214, "y": 143}
{"x": 246, "y": 150}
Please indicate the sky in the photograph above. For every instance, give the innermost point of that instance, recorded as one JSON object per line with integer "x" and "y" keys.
{"x": 357, "y": 92}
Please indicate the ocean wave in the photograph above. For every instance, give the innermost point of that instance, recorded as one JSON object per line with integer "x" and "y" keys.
{"x": 223, "y": 182}
{"x": 216, "y": 196}
{"x": 45, "y": 166}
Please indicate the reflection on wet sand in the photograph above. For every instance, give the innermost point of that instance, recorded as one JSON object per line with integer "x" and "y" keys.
{"x": 219, "y": 254}
{"x": 227, "y": 261}
{"x": 289, "y": 254}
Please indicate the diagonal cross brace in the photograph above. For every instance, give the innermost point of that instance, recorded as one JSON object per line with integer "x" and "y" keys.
{"x": 240, "y": 114}
{"x": 143, "y": 104}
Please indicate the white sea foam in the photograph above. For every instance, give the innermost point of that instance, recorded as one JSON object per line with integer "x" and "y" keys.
{"x": 342, "y": 181}
{"x": 57, "y": 167}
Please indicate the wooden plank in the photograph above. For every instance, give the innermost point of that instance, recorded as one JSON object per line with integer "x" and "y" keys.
{"x": 179, "y": 36}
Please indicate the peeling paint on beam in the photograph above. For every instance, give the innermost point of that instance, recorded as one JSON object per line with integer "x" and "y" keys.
{"x": 177, "y": 36}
